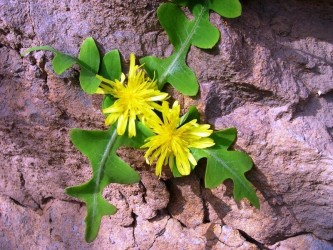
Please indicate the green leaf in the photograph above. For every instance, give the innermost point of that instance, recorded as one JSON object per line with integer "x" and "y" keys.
{"x": 223, "y": 164}
{"x": 111, "y": 65}
{"x": 226, "y": 8}
{"x": 37, "y": 48}
{"x": 100, "y": 147}
{"x": 175, "y": 171}
{"x": 190, "y": 115}
{"x": 143, "y": 133}
{"x": 89, "y": 61}
{"x": 110, "y": 69}
{"x": 108, "y": 100}
{"x": 183, "y": 33}
{"x": 60, "y": 63}
{"x": 224, "y": 138}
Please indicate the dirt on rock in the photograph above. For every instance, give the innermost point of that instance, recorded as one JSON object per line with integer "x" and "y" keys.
{"x": 270, "y": 76}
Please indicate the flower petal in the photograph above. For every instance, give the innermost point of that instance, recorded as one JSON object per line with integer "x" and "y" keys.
{"x": 131, "y": 127}
{"x": 122, "y": 123}
{"x": 112, "y": 118}
{"x": 171, "y": 144}
{"x": 135, "y": 98}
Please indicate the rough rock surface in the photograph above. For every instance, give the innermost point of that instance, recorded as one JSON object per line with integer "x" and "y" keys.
{"x": 271, "y": 76}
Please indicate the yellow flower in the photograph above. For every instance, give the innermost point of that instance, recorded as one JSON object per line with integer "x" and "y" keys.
{"x": 172, "y": 142}
{"x": 134, "y": 99}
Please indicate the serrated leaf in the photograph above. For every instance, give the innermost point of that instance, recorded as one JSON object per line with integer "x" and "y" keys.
{"x": 111, "y": 65}
{"x": 183, "y": 33}
{"x": 100, "y": 147}
{"x": 174, "y": 71}
{"x": 223, "y": 164}
{"x": 60, "y": 62}
{"x": 225, "y": 138}
{"x": 89, "y": 60}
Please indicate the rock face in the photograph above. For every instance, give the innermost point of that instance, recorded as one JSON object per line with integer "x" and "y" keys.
{"x": 271, "y": 76}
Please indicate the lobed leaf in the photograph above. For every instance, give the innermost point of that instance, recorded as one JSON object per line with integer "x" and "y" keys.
{"x": 190, "y": 115}
{"x": 60, "y": 62}
{"x": 184, "y": 32}
{"x": 100, "y": 147}
{"x": 111, "y": 65}
{"x": 223, "y": 164}
{"x": 224, "y": 138}
{"x": 110, "y": 69}
{"x": 89, "y": 61}
{"x": 226, "y": 8}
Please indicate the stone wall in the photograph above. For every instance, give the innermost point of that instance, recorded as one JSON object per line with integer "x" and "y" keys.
{"x": 271, "y": 76}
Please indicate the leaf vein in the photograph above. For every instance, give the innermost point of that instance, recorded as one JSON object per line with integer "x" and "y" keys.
{"x": 185, "y": 46}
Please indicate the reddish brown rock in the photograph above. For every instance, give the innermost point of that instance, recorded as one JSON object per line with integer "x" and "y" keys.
{"x": 270, "y": 76}
{"x": 186, "y": 202}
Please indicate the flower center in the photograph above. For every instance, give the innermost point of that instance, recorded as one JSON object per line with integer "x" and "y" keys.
{"x": 172, "y": 136}
{"x": 128, "y": 96}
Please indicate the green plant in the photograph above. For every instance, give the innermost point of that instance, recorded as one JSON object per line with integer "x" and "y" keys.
{"x": 144, "y": 127}
{"x": 183, "y": 33}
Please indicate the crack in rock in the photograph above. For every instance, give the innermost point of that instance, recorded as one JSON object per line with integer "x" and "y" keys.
{"x": 252, "y": 240}
{"x": 32, "y": 21}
